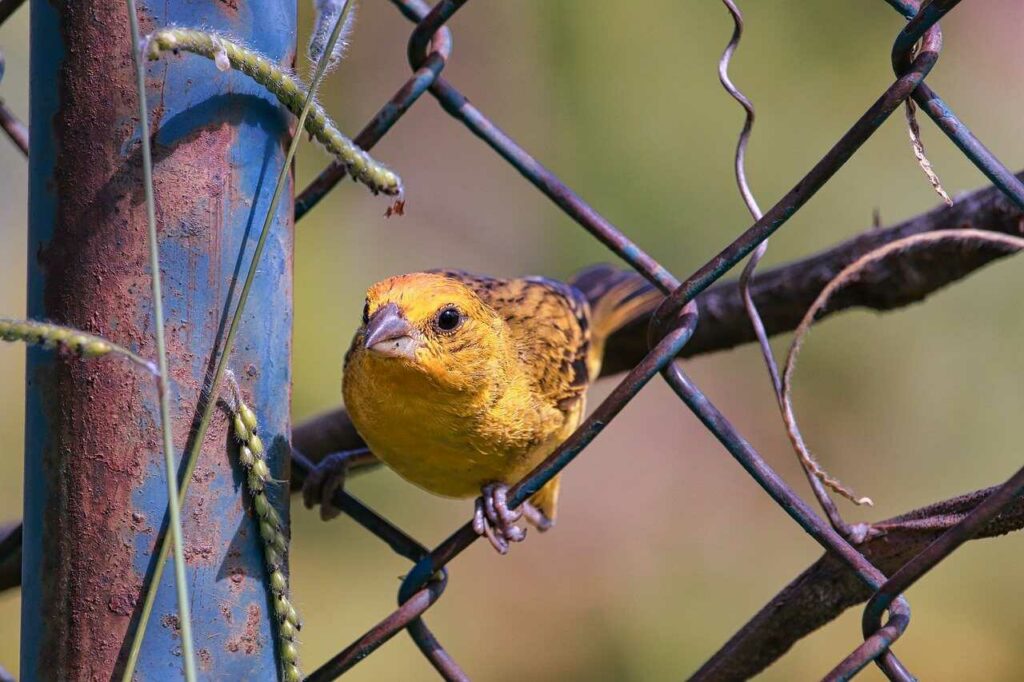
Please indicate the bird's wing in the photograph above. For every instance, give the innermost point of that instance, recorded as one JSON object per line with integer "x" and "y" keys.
{"x": 617, "y": 298}
{"x": 550, "y": 325}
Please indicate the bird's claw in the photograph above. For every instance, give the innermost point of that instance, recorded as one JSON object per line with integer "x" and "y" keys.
{"x": 536, "y": 517}
{"x": 494, "y": 520}
{"x": 323, "y": 481}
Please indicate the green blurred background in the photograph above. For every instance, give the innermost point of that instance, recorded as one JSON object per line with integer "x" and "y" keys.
{"x": 664, "y": 545}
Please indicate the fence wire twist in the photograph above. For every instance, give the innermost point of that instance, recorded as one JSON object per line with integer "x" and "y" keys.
{"x": 914, "y": 53}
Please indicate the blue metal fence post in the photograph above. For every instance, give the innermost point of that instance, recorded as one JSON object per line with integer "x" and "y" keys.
{"x": 94, "y": 489}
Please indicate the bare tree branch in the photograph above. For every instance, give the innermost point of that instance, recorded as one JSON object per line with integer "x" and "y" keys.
{"x": 829, "y": 587}
{"x": 784, "y": 294}
{"x": 322, "y": 435}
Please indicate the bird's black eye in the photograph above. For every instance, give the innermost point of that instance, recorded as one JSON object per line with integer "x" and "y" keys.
{"x": 449, "y": 319}
{"x": 366, "y": 312}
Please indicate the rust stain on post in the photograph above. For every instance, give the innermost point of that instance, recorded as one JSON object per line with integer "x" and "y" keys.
{"x": 95, "y": 271}
{"x": 95, "y": 489}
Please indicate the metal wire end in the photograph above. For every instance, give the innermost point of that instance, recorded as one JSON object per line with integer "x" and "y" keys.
{"x": 739, "y": 165}
{"x": 846, "y": 276}
{"x": 918, "y": 146}
{"x": 816, "y": 476}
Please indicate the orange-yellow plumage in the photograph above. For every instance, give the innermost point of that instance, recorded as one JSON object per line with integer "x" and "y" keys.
{"x": 457, "y": 381}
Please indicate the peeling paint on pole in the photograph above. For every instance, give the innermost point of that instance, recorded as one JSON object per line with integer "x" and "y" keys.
{"x": 94, "y": 489}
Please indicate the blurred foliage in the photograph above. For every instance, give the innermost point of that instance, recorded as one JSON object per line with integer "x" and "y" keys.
{"x": 656, "y": 560}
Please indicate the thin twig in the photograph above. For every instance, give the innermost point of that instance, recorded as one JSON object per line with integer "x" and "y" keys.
{"x": 784, "y": 293}
{"x": 210, "y": 402}
{"x": 163, "y": 378}
{"x": 81, "y": 343}
{"x": 288, "y": 90}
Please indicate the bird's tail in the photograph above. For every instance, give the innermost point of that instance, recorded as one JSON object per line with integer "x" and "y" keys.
{"x": 617, "y": 297}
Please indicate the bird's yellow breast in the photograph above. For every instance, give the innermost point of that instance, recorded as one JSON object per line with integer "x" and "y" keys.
{"x": 449, "y": 443}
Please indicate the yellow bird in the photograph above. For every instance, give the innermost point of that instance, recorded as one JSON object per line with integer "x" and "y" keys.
{"x": 463, "y": 383}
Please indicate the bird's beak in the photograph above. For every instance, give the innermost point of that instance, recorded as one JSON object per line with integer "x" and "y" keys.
{"x": 388, "y": 333}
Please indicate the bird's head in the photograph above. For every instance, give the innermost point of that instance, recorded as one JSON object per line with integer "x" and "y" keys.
{"x": 432, "y": 325}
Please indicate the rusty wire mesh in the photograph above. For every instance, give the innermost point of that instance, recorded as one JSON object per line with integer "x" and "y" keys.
{"x": 673, "y": 324}
{"x": 914, "y": 53}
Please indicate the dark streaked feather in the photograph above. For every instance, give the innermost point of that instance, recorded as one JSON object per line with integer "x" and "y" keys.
{"x": 549, "y": 323}
{"x": 617, "y": 298}
{"x": 559, "y": 328}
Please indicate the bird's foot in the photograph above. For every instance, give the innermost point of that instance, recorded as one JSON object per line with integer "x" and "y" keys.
{"x": 494, "y": 520}
{"x": 322, "y": 482}
{"x": 536, "y": 517}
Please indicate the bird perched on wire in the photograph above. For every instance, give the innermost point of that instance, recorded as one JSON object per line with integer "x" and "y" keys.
{"x": 463, "y": 383}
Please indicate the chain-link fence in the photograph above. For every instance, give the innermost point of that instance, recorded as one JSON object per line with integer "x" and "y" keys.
{"x": 914, "y": 53}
